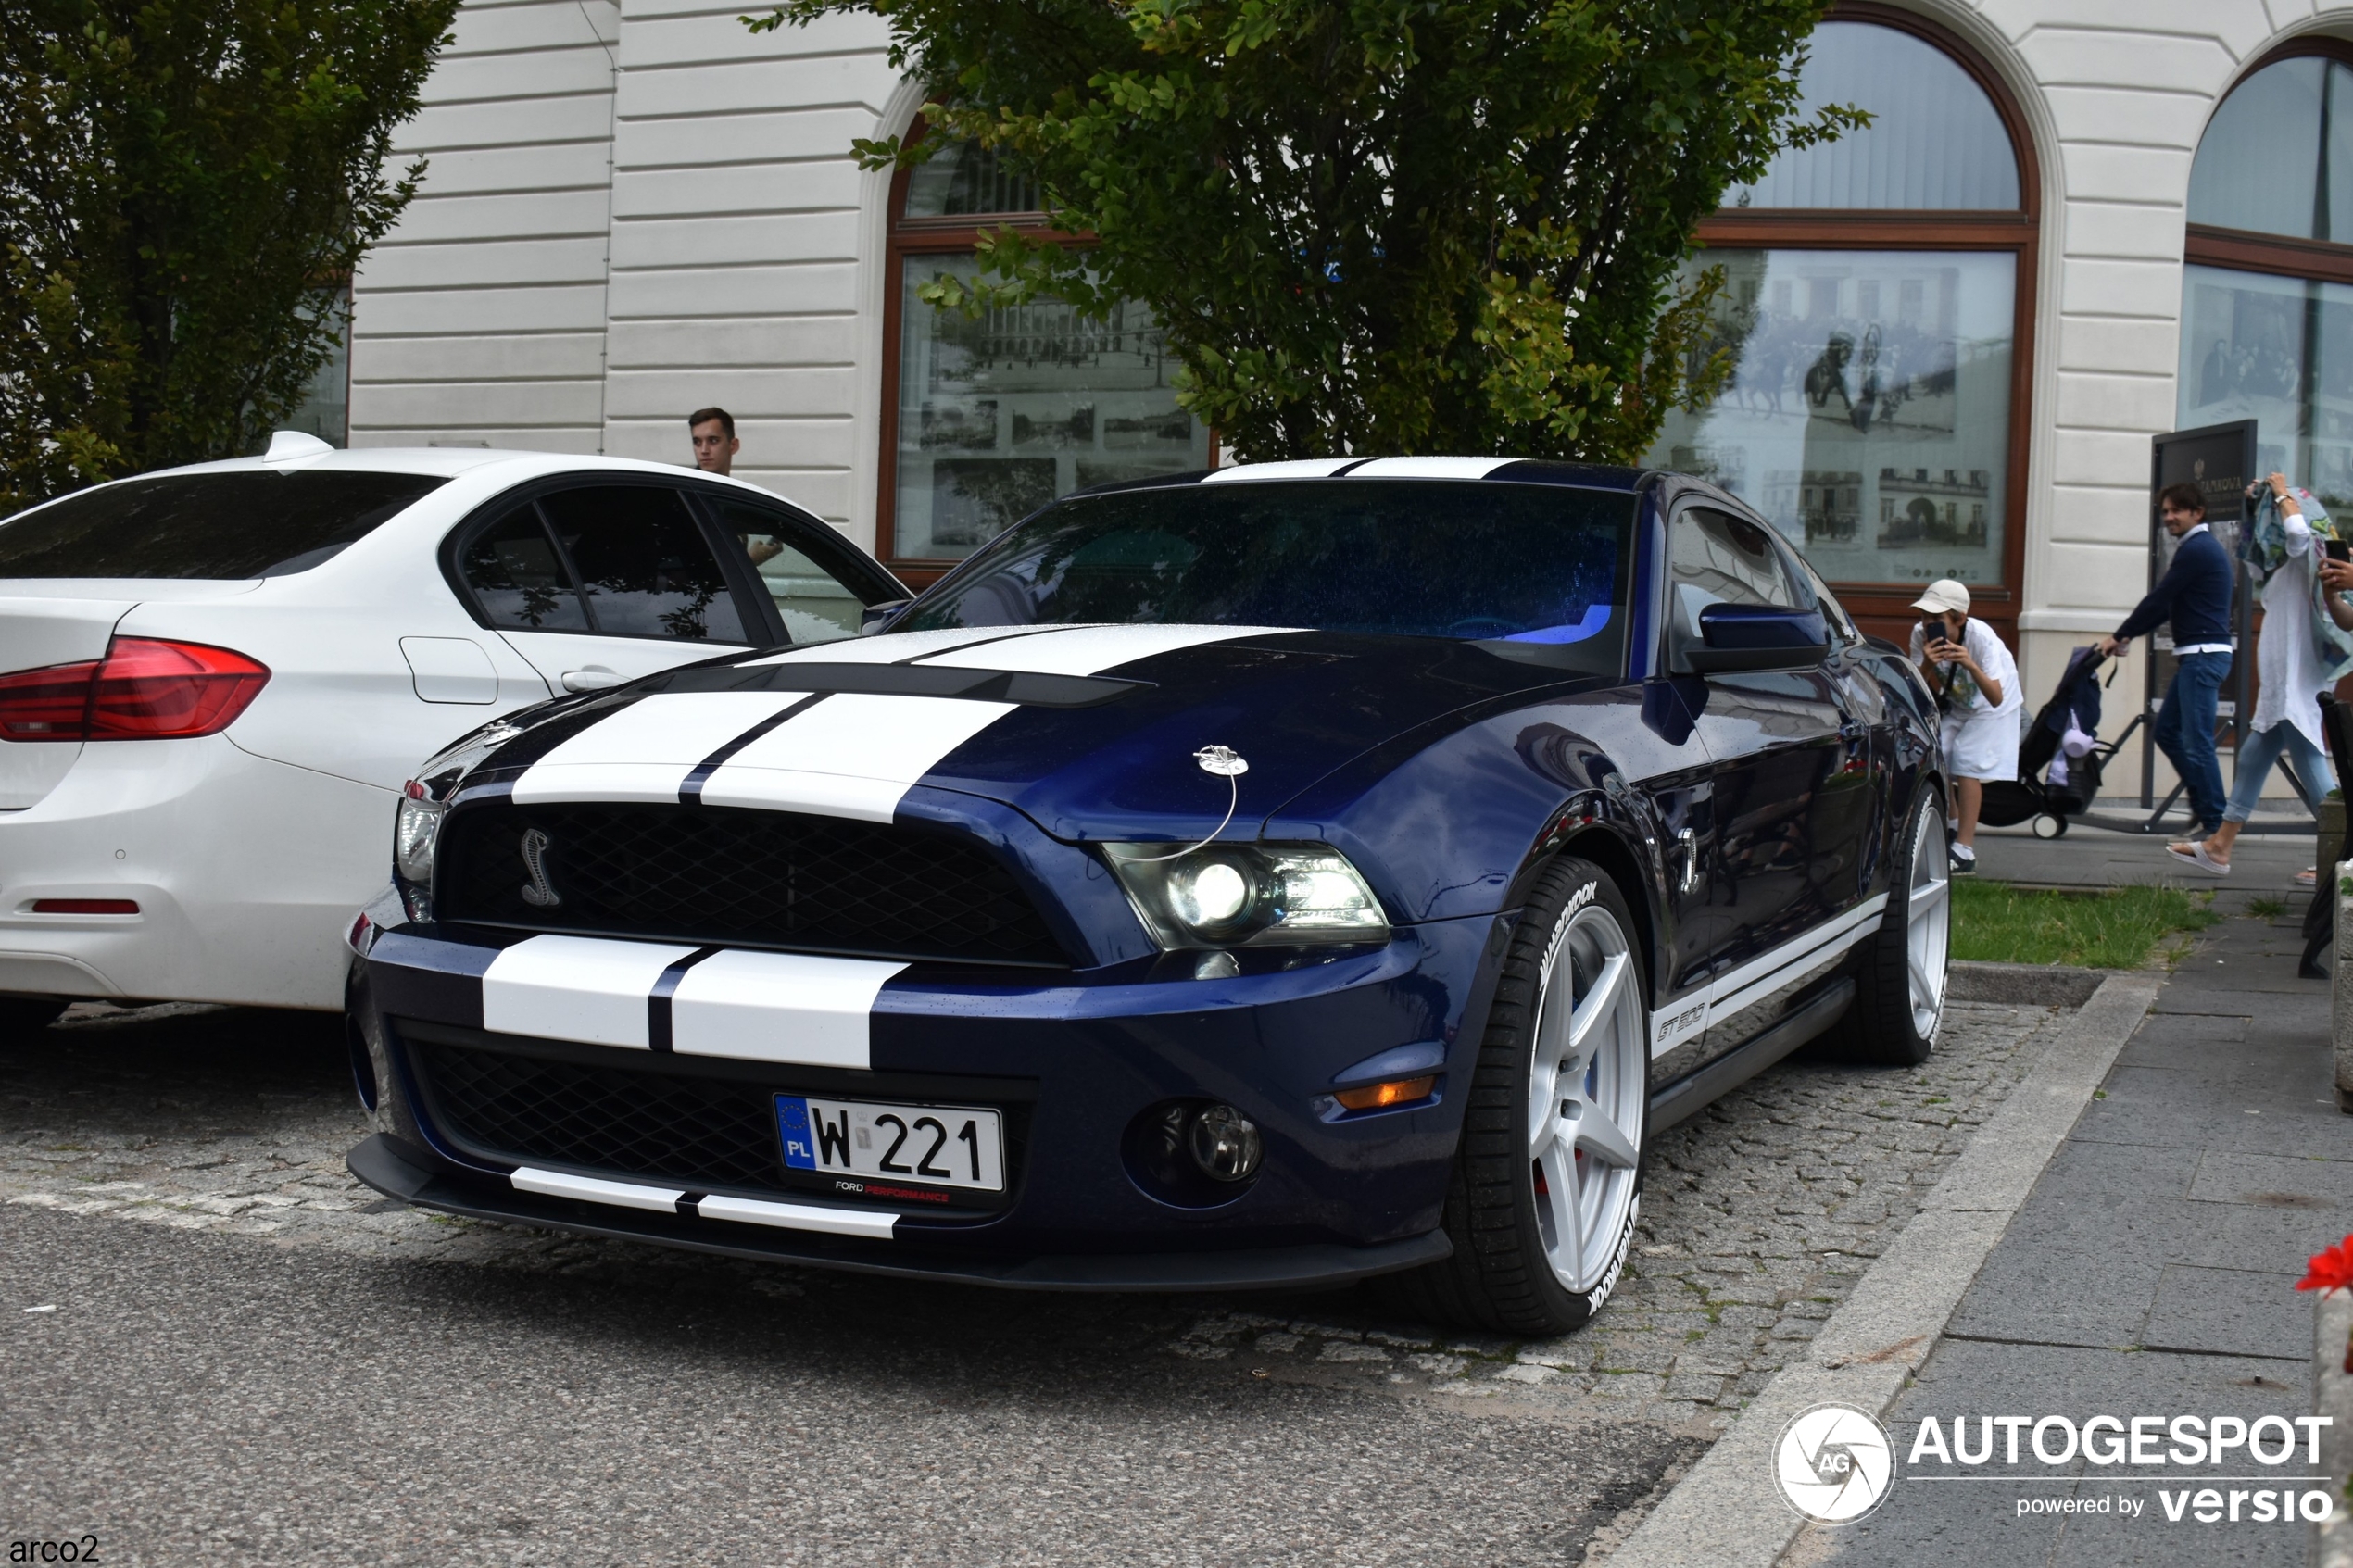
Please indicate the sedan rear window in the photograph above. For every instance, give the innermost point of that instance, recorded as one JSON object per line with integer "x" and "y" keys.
{"x": 213, "y": 525}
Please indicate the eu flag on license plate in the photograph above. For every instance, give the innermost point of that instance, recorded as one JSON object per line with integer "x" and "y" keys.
{"x": 792, "y": 1122}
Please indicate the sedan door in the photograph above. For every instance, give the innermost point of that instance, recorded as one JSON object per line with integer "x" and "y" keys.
{"x": 600, "y": 583}
{"x": 1782, "y": 866}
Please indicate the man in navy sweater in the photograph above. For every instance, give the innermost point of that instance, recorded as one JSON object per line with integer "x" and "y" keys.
{"x": 2195, "y": 594}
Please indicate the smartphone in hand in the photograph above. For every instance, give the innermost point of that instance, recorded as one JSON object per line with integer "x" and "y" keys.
{"x": 2337, "y": 549}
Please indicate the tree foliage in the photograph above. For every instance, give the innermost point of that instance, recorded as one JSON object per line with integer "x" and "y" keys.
{"x": 180, "y": 179}
{"x": 1374, "y": 225}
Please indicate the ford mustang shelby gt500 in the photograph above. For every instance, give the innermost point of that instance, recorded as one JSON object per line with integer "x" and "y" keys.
{"x": 1294, "y": 873}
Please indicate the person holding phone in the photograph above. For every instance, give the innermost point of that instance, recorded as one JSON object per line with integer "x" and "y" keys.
{"x": 2295, "y": 659}
{"x": 1977, "y": 688}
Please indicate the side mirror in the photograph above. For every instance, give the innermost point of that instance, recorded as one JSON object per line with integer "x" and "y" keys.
{"x": 1757, "y": 637}
{"x": 875, "y": 614}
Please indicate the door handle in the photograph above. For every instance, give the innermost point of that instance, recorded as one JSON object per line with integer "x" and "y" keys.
{"x": 594, "y": 678}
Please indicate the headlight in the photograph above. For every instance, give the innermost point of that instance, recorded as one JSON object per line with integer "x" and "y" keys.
{"x": 414, "y": 833}
{"x": 1254, "y": 894}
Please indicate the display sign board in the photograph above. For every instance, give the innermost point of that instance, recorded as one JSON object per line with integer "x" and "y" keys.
{"x": 2218, "y": 459}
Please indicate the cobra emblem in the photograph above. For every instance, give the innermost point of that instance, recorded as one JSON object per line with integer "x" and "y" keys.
{"x": 538, "y": 891}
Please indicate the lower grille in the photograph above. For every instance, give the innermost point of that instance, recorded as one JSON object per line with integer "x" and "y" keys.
{"x": 734, "y": 877}
{"x": 696, "y": 1133}
{"x": 709, "y": 1131}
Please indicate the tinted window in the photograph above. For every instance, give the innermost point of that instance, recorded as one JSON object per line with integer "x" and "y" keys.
{"x": 1714, "y": 558}
{"x": 518, "y": 580}
{"x": 644, "y": 564}
{"x": 253, "y": 523}
{"x": 1508, "y": 562}
{"x": 816, "y": 602}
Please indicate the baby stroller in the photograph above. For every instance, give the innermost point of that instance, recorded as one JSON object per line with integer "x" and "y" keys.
{"x": 2060, "y": 760}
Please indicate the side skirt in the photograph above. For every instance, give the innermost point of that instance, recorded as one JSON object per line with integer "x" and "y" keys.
{"x": 1680, "y": 1099}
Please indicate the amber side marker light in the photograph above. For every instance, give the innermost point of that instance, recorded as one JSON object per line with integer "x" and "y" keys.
{"x": 1379, "y": 1097}
{"x": 85, "y": 907}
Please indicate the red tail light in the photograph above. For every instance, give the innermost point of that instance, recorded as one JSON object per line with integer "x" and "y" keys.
{"x": 144, "y": 689}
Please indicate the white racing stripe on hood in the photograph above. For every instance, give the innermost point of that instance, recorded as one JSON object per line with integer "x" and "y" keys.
{"x": 853, "y": 755}
{"x": 857, "y": 754}
{"x": 643, "y": 751}
{"x": 802, "y": 1008}
{"x": 580, "y": 988}
{"x": 895, "y": 647}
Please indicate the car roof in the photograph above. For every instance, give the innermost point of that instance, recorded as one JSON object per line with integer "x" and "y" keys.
{"x": 1509, "y": 470}
{"x": 450, "y": 462}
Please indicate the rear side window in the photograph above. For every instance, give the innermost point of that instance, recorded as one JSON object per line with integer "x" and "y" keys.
{"x": 624, "y": 560}
{"x": 518, "y": 579}
{"x": 819, "y": 600}
{"x": 251, "y": 524}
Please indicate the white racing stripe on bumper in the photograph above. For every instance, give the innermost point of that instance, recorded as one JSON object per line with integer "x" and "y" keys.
{"x": 576, "y": 988}
{"x": 778, "y": 1007}
{"x": 744, "y": 1211}
{"x": 797, "y": 1216}
{"x": 644, "y": 751}
{"x": 625, "y": 1195}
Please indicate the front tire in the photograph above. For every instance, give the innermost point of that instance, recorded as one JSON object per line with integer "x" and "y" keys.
{"x": 1547, "y": 1182}
{"x": 1899, "y": 982}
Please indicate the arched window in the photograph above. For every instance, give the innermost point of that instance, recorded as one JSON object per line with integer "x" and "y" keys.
{"x": 2267, "y": 297}
{"x": 983, "y": 421}
{"x": 1877, "y": 303}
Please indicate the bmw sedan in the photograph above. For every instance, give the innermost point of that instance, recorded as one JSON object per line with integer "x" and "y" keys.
{"x": 214, "y": 680}
{"x": 1288, "y": 874}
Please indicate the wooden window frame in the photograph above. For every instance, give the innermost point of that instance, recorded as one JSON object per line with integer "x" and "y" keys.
{"x": 2018, "y": 233}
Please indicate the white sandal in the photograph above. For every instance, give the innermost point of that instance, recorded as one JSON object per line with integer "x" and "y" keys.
{"x": 2198, "y": 858}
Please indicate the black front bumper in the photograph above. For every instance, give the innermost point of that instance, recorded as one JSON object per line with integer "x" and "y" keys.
{"x": 382, "y": 1164}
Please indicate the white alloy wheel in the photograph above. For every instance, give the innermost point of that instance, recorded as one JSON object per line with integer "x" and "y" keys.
{"x": 1586, "y": 1086}
{"x": 1928, "y": 921}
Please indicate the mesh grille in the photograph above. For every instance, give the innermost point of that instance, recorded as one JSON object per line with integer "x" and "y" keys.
{"x": 724, "y": 875}
{"x": 696, "y": 1133}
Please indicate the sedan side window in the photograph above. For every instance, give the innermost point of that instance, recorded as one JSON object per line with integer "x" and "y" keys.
{"x": 1715, "y": 557}
{"x": 643, "y": 565}
{"x": 817, "y": 603}
{"x": 518, "y": 578}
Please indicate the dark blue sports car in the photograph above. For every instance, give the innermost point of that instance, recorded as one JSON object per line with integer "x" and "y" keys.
{"x": 1286, "y": 874}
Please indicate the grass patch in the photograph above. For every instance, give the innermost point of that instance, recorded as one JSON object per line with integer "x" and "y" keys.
{"x": 2112, "y": 929}
{"x": 2266, "y": 909}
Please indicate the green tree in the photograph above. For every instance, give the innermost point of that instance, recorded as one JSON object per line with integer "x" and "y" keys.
{"x": 1374, "y": 225}
{"x": 180, "y": 182}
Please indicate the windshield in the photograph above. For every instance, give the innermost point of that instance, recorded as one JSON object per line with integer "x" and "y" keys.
{"x": 231, "y": 525}
{"x": 1474, "y": 561}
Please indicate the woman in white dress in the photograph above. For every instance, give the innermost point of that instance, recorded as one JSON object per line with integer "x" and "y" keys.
{"x": 1977, "y": 683}
{"x": 2296, "y": 659}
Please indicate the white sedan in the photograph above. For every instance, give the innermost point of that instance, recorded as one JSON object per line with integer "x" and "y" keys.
{"x": 214, "y": 681}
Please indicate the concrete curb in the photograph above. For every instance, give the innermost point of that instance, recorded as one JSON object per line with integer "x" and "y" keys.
{"x": 1729, "y": 1511}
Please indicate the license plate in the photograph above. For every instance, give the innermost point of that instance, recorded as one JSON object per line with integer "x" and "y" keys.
{"x": 860, "y": 1141}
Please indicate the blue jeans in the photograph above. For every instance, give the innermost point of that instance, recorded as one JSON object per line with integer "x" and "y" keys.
{"x": 2304, "y": 761}
{"x": 2185, "y": 734}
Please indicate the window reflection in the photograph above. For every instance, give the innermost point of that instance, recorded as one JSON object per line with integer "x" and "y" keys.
{"x": 2278, "y": 157}
{"x": 1935, "y": 140}
{"x": 1868, "y": 417}
{"x": 1000, "y": 415}
{"x": 2278, "y": 351}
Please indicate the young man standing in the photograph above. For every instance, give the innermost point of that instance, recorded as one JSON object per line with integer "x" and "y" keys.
{"x": 713, "y": 431}
{"x": 2195, "y": 594}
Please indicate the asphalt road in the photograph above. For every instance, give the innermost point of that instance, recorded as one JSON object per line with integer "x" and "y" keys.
{"x": 197, "y": 1396}
{"x": 249, "y": 1359}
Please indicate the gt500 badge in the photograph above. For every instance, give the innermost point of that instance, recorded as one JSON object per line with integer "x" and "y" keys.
{"x": 1674, "y": 1028}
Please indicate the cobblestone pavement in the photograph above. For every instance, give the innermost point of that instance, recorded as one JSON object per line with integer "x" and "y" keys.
{"x": 1759, "y": 1213}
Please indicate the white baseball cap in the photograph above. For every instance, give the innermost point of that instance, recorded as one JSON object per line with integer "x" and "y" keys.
{"x": 1942, "y": 595}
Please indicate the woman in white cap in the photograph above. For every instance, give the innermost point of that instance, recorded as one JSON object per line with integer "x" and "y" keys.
{"x": 1977, "y": 689}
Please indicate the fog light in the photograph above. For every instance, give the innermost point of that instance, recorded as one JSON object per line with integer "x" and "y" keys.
{"x": 1379, "y": 1097}
{"x": 1224, "y": 1144}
